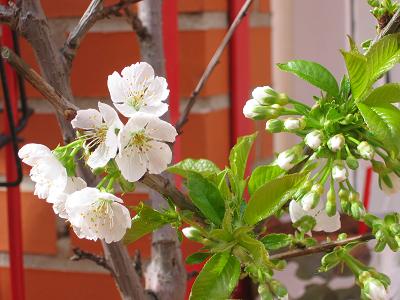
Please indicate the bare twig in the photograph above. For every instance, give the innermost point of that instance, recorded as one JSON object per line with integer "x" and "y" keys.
{"x": 392, "y": 27}
{"x": 137, "y": 25}
{"x": 93, "y": 13}
{"x": 99, "y": 260}
{"x": 211, "y": 65}
{"x": 325, "y": 247}
{"x": 60, "y": 103}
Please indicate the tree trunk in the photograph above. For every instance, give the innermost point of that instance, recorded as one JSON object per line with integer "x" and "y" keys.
{"x": 165, "y": 275}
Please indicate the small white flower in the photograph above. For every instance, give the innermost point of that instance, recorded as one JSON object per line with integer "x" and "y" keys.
{"x": 323, "y": 221}
{"x": 313, "y": 139}
{"x": 249, "y": 109}
{"x": 97, "y": 215}
{"x": 366, "y": 150}
{"x": 31, "y": 153}
{"x": 58, "y": 199}
{"x": 138, "y": 90}
{"x": 375, "y": 290}
{"x": 293, "y": 124}
{"x": 339, "y": 173}
{"x": 99, "y": 131}
{"x": 309, "y": 201}
{"x": 336, "y": 142}
{"x": 285, "y": 160}
{"x": 142, "y": 146}
{"x": 395, "y": 188}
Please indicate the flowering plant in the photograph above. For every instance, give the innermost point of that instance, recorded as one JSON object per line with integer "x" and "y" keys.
{"x": 349, "y": 122}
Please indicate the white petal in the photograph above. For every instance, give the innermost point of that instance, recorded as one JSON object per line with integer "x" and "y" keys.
{"x": 110, "y": 116}
{"x": 87, "y": 119}
{"x": 157, "y": 91}
{"x": 160, "y": 156}
{"x": 326, "y": 223}
{"x": 157, "y": 110}
{"x": 126, "y": 109}
{"x": 120, "y": 222}
{"x": 161, "y": 130}
{"x": 30, "y": 153}
{"x": 116, "y": 87}
{"x": 138, "y": 73}
{"x": 296, "y": 212}
{"x": 132, "y": 165}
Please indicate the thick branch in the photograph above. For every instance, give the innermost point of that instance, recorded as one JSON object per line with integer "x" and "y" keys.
{"x": 325, "y": 247}
{"x": 211, "y": 65}
{"x": 62, "y": 105}
{"x": 98, "y": 260}
{"x": 93, "y": 13}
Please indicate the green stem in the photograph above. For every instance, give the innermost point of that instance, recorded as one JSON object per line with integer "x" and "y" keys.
{"x": 102, "y": 181}
{"x": 110, "y": 185}
{"x": 292, "y": 101}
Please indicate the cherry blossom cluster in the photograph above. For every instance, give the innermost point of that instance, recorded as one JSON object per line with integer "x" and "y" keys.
{"x": 124, "y": 152}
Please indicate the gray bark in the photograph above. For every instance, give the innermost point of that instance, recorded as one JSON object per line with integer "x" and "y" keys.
{"x": 165, "y": 275}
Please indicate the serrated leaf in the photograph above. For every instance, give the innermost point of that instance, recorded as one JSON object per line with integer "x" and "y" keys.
{"x": 146, "y": 221}
{"x": 383, "y": 55}
{"x": 275, "y": 241}
{"x": 255, "y": 248}
{"x": 197, "y": 258}
{"x": 357, "y": 68}
{"x": 217, "y": 279}
{"x": 269, "y": 198}
{"x": 206, "y": 196}
{"x": 388, "y": 93}
{"x": 261, "y": 175}
{"x": 314, "y": 73}
{"x": 204, "y": 167}
{"x": 383, "y": 123}
{"x": 239, "y": 155}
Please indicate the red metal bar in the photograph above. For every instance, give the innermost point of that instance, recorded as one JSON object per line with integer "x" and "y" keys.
{"x": 239, "y": 73}
{"x": 362, "y": 228}
{"x": 13, "y": 193}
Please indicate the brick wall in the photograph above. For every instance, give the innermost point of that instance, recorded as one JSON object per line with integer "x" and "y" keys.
{"x": 110, "y": 46}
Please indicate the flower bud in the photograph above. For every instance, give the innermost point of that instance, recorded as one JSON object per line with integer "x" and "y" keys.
{"x": 192, "y": 233}
{"x": 357, "y": 210}
{"x": 254, "y": 110}
{"x": 310, "y": 200}
{"x": 378, "y": 166}
{"x": 317, "y": 188}
{"x": 354, "y": 196}
{"x": 336, "y": 142}
{"x": 292, "y": 124}
{"x": 285, "y": 159}
{"x": 373, "y": 3}
{"x": 366, "y": 151}
{"x": 313, "y": 139}
{"x": 374, "y": 289}
{"x": 330, "y": 207}
{"x": 390, "y": 183}
{"x": 274, "y": 125}
{"x": 268, "y": 96}
{"x": 339, "y": 172}
{"x": 352, "y": 162}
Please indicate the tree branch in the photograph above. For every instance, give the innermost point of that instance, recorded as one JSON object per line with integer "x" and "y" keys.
{"x": 392, "y": 27}
{"x": 99, "y": 260}
{"x": 324, "y": 247}
{"x": 9, "y": 14}
{"x": 60, "y": 103}
{"x": 211, "y": 65}
{"x": 93, "y": 13}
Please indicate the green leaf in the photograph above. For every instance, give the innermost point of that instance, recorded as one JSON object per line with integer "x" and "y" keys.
{"x": 269, "y": 198}
{"x": 388, "y": 93}
{"x": 314, "y": 73}
{"x": 206, "y": 196}
{"x": 261, "y": 175}
{"x": 239, "y": 155}
{"x": 146, "y": 221}
{"x": 383, "y": 122}
{"x": 204, "y": 167}
{"x": 357, "y": 68}
{"x": 256, "y": 249}
{"x": 275, "y": 241}
{"x": 217, "y": 279}
{"x": 383, "y": 56}
{"x": 197, "y": 258}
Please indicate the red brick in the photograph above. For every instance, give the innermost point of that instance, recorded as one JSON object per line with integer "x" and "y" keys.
{"x": 202, "y": 5}
{"x": 260, "y": 56}
{"x": 264, "y": 6}
{"x": 38, "y": 225}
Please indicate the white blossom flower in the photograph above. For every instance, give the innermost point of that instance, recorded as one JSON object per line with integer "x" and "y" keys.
{"x": 249, "y": 109}
{"x": 395, "y": 188}
{"x": 323, "y": 221}
{"x": 99, "y": 131}
{"x": 261, "y": 92}
{"x": 142, "y": 147}
{"x": 366, "y": 150}
{"x": 339, "y": 173}
{"x": 59, "y": 198}
{"x": 336, "y": 142}
{"x": 309, "y": 201}
{"x": 375, "y": 290}
{"x": 138, "y": 90}
{"x": 31, "y": 153}
{"x": 313, "y": 139}
{"x": 97, "y": 215}
{"x": 285, "y": 160}
{"x": 293, "y": 124}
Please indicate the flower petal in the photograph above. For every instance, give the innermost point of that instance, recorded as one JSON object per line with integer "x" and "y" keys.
{"x": 30, "y": 153}
{"x": 138, "y": 74}
{"x": 157, "y": 91}
{"x": 131, "y": 163}
{"x": 161, "y": 130}
{"x": 87, "y": 119}
{"x": 110, "y": 116}
{"x": 157, "y": 110}
{"x": 326, "y": 223}
{"x": 160, "y": 156}
{"x": 115, "y": 86}
{"x": 296, "y": 212}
